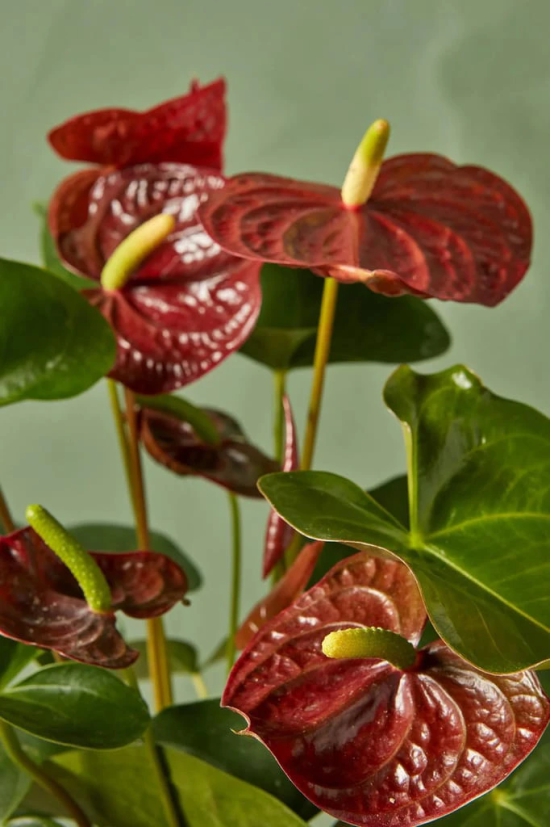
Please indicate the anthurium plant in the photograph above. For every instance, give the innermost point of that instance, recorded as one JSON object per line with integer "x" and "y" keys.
{"x": 391, "y": 675}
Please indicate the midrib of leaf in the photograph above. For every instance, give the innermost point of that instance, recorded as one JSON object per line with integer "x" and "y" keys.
{"x": 435, "y": 552}
{"x": 506, "y": 804}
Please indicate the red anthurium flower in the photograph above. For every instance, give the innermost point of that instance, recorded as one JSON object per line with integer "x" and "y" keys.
{"x": 234, "y": 463}
{"x": 189, "y": 304}
{"x": 41, "y": 603}
{"x": 278, "y": 532}
{"x": 429, "y": 228}
{"x": 189, "y": 129}
{"x": 367, "y": 742}
{"x": 285, "y": 591}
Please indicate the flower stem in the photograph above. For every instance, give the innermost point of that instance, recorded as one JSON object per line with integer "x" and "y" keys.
{"x": 170, "y": 803}
{"x": 20, "y": 758}
{"x": 130, "y": 452}
{"x": 236, "y": 577}
{"x": 122, "y": 436}
{"x": 280, "y": 379}
{"x": 5, "y": 515}
{"x": 199, "y": 685}
{"x": 157, "y": 653}
{"x": 323, "y": 346}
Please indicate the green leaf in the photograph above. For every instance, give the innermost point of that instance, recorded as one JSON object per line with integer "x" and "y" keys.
{"x": 13, "y": 658}
{"x": 368, "y": 327}
{"x": 50, "y": 258}
{"x": 183, "y": 657}
{"x": 520, "y": 801}
{"x": 77, "y": 705}
{"x": 109, "y": 537}
{"x": 121, "y": 788}
{"x": 479, "y": 531}
{"x": 200, "y": 421}
{"x": 392, "y": 495}
{"x": 14, "y": 785}
{"x": 207, "y": 731}
{"x": 53, "y": 343}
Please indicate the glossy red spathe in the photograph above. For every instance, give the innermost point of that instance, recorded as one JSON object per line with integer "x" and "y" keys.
{"x": 366, "y": 742}
{"x": 429, "y": 228}
{"x": 189, "y": 129}
{"x": 42, "y": 604}
{"x": 189, "y": 305}
{"x": 278, "y": 532}
{"x": 234, "y": 462}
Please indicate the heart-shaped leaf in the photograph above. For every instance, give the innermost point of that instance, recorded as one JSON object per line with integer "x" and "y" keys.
{"x": 77, "y": 705}
{"x": 430, "y": 228}
{"x": 367, "y": 327}
{"x": 233, "y": 462}
{"x": 364, "y": 740}
{"x": 189, "y": 305}
{"x": 53, "y": 344}
{"x": 106, "y": 784}
{"x": 207, "y": 731}
{"x": 189, "y": 129}
{"x": 478, "y": 476}
{"x": 97, "y": 536}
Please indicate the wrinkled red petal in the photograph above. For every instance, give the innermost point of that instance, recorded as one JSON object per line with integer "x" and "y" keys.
{"x": 188, "y": 129}
{"x": 286, "y": 590}
{"x": 33, "y": 611}
{"x": 366, "y": 742}
{"x": 279, "y": 533}
{"x": 41, "y": 603}
{"x": 232, "y": 463}
{"x": 430, "y": 228}
{"x": 143, "y": 583}
{"x": 189, "y": 305}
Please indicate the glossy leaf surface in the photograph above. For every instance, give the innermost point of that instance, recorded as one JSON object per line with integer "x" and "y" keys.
{"x": 188, "y": 129}
{"x": 461, "y": 548}
{"x": 189, "y": 305}
{"x": 393, "y": 496}
{"x": 42, "y": 604}
{"x": 367, "y": 328}
{"x": 233, "y": 463}
{"x": 77, "y": 705}
{"x": 279, "y": 533}
{"x": 430, "y": 228}
{"x": 13, "y": 658}
{"x": 207, "y": 731}
{"x": 116, "y": 538}
{"x": 53, "y": 344}
{"x": 106, "y": 784}
{"x": 369, "y": 743}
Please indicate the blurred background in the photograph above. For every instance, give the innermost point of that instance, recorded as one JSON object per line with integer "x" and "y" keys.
{"x": 465, "y": 79}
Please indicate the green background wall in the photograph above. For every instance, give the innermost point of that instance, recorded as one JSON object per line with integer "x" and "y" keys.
{"x": 467, "y": 79}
